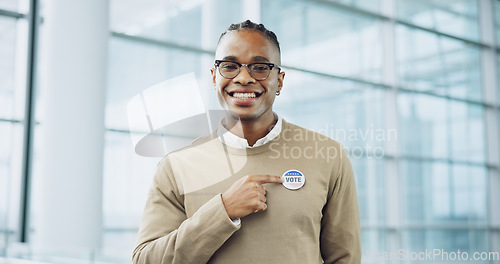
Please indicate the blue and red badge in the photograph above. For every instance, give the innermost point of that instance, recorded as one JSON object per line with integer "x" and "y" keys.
{"x": 293, "y": 179}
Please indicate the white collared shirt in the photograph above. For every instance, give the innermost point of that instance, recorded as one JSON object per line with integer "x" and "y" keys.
{"x": 234, "y": 141}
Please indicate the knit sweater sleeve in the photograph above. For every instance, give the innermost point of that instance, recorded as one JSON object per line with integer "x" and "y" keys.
{"x": 340, "y": 228}
{"x": 167, "y": 235}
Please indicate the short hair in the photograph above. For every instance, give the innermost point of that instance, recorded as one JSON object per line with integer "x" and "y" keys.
{"x": 253, "y": 26}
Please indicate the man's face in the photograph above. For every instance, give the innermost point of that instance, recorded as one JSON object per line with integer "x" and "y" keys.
{"x": 245, "y": 47}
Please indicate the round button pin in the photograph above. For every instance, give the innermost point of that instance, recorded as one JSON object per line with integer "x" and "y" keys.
{"x": 293, "y": 179}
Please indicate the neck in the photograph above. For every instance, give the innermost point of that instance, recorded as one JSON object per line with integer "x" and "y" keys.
{"x": 251, "y": 130}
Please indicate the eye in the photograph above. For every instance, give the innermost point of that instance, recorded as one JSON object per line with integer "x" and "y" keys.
{"x": 260, "y": 67}
{"x": 229, "y": 66}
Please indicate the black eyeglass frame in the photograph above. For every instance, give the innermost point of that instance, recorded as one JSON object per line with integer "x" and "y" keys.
{"x": 270, "y": 65}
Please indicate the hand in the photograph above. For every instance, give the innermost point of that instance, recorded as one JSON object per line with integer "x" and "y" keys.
{"x": 247, "y": 195}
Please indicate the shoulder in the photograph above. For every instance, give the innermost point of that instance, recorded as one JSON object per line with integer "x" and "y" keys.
{"x": 200, "y": 144}
{"x": 311, "y": 145}
{"x": 170, "y": 168}
{"x": 296, "y": 133}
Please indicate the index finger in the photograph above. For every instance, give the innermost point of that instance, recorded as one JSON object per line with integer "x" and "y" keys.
{"x": 261, "y": 178}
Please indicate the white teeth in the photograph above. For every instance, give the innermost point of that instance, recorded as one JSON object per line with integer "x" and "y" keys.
{"x": 244, "y": 95}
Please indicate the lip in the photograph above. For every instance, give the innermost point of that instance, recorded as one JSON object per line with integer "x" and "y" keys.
{"x": 244, "y": 101}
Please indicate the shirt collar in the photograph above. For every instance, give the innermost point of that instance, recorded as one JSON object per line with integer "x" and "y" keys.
{"x": 234, "y": 141}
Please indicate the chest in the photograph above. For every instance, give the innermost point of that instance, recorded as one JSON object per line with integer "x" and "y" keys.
{"x": 303, "y": 204}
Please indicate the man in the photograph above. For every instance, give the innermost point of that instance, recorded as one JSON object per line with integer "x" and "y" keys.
{"x": 223, "y": 200}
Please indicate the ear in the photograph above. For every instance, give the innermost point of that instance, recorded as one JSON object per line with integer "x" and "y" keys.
{"x": 214, "y": 73}
{"x": 281, "y": 78}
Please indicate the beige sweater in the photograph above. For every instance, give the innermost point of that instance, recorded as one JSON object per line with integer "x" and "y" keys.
{"x": 185, "y": 221}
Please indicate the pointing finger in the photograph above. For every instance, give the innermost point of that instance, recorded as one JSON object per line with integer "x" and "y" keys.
{"x": 261, "y": 179}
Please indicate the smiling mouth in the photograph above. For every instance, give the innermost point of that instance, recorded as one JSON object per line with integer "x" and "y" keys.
{"x": 244, "y": 95}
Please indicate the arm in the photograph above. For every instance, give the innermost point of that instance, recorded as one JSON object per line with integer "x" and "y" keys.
{"x": 340, "y": 231}
{"x": 166, "y": 235}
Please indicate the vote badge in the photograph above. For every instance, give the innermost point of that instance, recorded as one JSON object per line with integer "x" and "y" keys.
{"x": 293, "y": 179}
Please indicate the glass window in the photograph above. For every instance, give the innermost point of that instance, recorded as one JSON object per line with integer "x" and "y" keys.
{"x": 373, "y": 6}
{"x": 434, "y": 127}
{"x": 422, "y": 122}
{"x": 369, "y": 173}
{"x": 21, "y": 6}
{"x": 458, "y": 17}
{"x": 496, "y": 13}
{"x": 498, "y": 76}
{"x": 192, "y": 23}
{"x": 12, "y": 95}
{"x": 158, "y": 19}
{"x": 127, "y": 178}
{"x": 446, "y": 241}
{"x": 440, "y": 128}
{"x": 373, "y": 242}
{"x": 466, "y": 132}
{"x": 11, "y": 5}
{"x": 135, "y": 66}
{"x": 127, "y": 181}
{"x": 11, "y": 138}
{"x": 12, "y": 68}
{"x": 437, "y": 192}
{"x": 319, "y": 38}
{"x": 436, "y": 64}
{"x": 343, "y": 110}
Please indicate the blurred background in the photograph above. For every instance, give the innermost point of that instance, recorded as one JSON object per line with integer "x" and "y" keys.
{"x": 411, "y": 88}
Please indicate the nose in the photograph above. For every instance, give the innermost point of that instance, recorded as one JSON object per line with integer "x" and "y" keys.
{"x": 244, "y": 77}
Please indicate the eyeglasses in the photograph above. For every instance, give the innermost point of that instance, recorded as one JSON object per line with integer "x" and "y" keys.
{"x": 230, "y": 69}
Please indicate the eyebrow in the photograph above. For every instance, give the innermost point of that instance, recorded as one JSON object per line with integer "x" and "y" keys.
{"x": 260, "y": 58}
{"x": 230, "y": 58}
{"x": 256, "y": 58}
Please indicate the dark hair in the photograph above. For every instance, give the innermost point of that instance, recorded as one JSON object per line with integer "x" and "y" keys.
{"x": 253, "y": 26}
